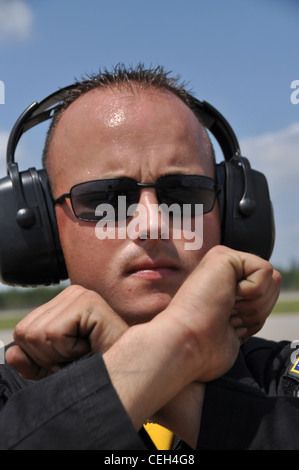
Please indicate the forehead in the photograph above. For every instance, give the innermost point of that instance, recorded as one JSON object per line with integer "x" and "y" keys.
{"x": 114, "y": 106}
{"x": 121, "y": 121}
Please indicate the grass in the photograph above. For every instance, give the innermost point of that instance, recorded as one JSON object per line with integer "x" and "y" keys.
{"x": 286, "y": 306}
{"x": 8, "y": 323}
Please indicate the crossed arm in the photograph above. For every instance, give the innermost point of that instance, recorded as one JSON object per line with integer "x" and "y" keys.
{"x": 226, "y": 298}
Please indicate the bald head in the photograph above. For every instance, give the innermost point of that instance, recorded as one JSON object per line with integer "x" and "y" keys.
{"x": 100, "y": 113}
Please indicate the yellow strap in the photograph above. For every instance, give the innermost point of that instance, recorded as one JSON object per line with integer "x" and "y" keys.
{"x": 161, "y": 437}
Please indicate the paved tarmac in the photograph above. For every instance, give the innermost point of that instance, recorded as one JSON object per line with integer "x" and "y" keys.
{"x": 281, "y": 327}
{"x": 5, "y": 336}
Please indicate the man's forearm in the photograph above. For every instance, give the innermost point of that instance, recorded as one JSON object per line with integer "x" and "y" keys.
{"x": 149, "y": 365}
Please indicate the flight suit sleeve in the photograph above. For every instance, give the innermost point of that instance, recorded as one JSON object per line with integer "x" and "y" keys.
{"x": 76, "y": 408}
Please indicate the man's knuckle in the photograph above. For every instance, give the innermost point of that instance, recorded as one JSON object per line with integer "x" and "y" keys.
{"x": 82, "y": 292}
{"x": 51, "y": 333}
{"x": 74, "y": 288}
{"x": 219, "y": 250}
{"x": 277, "y": 277}
{"x": 19, "y": 332}
{"x": 23, "y": 335}
{"x": 268, "y": 269}
{"x": 89, "y": 296}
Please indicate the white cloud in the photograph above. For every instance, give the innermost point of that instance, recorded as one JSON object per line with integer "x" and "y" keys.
{"x": 276, "y": 154}
{"x": 16, "y": 20}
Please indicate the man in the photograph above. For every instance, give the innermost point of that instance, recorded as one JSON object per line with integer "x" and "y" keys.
{"x": 166, "y": 320}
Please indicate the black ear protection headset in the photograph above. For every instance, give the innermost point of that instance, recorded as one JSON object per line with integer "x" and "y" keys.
{"x": 30, "y": 250}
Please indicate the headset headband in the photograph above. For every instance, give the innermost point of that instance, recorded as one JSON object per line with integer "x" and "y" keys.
{"x": 37, "y": 113}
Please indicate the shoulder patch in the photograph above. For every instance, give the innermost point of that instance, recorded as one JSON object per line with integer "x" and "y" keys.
{"x": 295, "y": 368}
{"x": 291, "y": 377}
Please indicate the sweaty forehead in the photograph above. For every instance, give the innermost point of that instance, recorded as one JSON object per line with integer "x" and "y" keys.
{"x": 113, "y": 107}
{"x": 102, "y": 118}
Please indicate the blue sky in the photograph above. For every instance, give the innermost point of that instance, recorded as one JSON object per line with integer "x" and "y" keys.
{"x": 240, "y": 55}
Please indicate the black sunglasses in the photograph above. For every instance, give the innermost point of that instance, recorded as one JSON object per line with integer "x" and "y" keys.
{"x": 171, "y": 189}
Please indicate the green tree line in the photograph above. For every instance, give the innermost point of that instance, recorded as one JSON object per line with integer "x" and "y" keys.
{"x": 20, "y": 298}
{"x": 290, "y": 277}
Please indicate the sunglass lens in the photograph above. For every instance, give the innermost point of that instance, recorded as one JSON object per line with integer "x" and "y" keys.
{"x": 97, "y": 199}
{"x": 187, "y": 189}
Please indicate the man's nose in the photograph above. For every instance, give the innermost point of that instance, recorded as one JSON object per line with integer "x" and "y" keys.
{"x": 150, "y": 223}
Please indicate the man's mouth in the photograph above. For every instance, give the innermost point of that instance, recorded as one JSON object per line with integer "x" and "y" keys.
{"x": 152, "y": 270}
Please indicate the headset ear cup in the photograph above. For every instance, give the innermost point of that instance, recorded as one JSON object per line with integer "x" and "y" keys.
{"x": 253, "y": 233}
{"x": 30, "y": 251}
{"x": 221, "y": 182}
{"x": 56, "y": 256}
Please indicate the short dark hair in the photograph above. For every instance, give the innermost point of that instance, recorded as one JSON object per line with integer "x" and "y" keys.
{"x": 120, "y": 75}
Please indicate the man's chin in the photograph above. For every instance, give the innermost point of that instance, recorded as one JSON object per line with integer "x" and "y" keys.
{"x": 146, "y": 310}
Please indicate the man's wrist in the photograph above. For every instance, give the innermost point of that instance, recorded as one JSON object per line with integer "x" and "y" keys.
{"x": 149, "y": 365}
